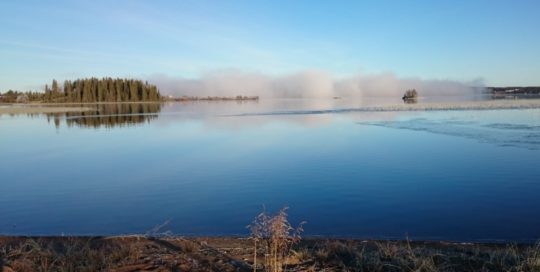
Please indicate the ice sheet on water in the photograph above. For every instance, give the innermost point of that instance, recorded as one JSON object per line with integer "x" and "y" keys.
{"x": 501, "y": 134}
{"x": 503, "y": 126}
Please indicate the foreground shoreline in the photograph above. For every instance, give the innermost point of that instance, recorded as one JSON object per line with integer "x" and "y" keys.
{"x": 144, "y": 253}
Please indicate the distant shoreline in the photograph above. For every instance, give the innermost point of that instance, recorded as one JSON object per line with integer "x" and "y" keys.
{"x": 39, "y": 109}
{"x": 496, "y": 104}
{"x": 468, "y": 105}
{"x": 212, "y": 98}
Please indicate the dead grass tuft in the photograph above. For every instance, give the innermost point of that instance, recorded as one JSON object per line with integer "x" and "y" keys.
{"x": 273, "y": 236}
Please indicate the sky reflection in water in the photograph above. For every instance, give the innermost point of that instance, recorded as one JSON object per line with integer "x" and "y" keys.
{"x": 461, "y": 175}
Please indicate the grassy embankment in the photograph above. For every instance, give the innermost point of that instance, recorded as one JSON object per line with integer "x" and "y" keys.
{"x": 141, "y": 253}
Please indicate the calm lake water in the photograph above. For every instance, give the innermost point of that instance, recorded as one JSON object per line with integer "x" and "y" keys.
{"x": 452, "y": 175}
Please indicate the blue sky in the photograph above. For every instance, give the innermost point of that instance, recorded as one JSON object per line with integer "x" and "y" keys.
{"x": 497, "y": 41}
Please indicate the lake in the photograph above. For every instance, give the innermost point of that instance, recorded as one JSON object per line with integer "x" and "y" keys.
{"x": 211, "y": 167}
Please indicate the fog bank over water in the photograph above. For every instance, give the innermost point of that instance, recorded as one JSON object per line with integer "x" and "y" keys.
{"x": 309, "y": 84}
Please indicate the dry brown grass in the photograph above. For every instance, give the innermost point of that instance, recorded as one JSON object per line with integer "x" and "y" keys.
{"x": 139, "y": 253}
{"x": 353, "y": 255}
{"x": 69, "y": 254}
{"x": 273, "y": 236}
{"x": 120, "y": 254}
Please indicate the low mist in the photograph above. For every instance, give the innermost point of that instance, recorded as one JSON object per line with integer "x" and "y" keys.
{"x": 309, "y": 84}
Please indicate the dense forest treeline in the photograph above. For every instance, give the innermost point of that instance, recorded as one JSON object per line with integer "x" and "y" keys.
{"x": 89, "y": 90}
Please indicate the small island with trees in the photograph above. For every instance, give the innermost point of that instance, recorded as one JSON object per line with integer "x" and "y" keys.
{"x": 410, "y": 96}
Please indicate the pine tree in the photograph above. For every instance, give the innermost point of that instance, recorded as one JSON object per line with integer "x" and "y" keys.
{"x": 55, "y": 88}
